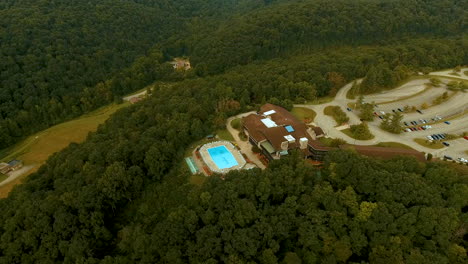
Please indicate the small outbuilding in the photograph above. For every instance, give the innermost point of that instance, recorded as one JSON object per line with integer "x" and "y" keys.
{"x": 15, "y": 164}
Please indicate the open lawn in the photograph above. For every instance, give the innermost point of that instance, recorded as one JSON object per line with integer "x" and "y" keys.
{"x": 38, "y": 147}
{"x": 224, "y": 134}
{"x": 392, "y": 145}
{"x": 306, "y": 115}
{"x": 427, "y": 144}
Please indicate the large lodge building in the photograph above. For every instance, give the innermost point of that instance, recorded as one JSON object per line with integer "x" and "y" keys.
{"x": 275, "y": 131}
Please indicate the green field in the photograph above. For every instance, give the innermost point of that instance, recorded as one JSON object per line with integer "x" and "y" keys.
{"x": 392, "y": 145}
{"x": 38, "y": 147}
{"x": 306, "y": 115}
{"x": 427, "y": 144}
{"x": 224, "y": 134}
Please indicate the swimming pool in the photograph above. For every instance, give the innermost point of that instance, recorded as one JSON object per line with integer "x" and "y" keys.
{"x": 222, "y": 157}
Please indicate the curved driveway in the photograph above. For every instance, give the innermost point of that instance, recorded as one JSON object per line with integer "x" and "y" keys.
{"x": 328, "y": 124}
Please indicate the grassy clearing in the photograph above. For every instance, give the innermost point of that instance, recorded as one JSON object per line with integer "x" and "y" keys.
{"x": 428, "y": 144}
{"x": 225, "y": 135}
{"x": 37, "y": 148}
{"x": 352, "y": 135}
{"x": 236, "y": 123}
{"x": 392, "y": 145}
{"x": 306, "y": 115}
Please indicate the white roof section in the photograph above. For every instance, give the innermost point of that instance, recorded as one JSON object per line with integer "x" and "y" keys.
{"x": 303, "y": 139}
{"x": 289, "y": 138}
{"x": 269, "y": 112}
{"x": 268, "y": 122}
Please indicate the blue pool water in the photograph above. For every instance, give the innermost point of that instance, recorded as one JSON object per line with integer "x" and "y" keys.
{"x": 222, "y": 157}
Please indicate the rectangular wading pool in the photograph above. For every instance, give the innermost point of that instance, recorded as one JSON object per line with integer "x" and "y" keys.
{"x": 222, "y": 157}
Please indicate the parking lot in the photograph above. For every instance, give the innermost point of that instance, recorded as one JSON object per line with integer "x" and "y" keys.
{"x": 413, "y": 93}
{"x": 438, "y": 120}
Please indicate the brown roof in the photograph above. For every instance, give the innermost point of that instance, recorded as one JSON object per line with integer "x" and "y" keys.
{"x": 275, "y": 135}
{"x": 384, "y": 152}
{"x": 318, "y": 130}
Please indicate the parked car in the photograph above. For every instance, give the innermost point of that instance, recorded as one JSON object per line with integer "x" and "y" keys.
{"x": 447, "y": 122}
{"x": 407, "y": 130}
{"x": 349, "y": 109}
{"x": 406, "y": 124}
{"x": 430, "y": 138}
{"x": 382, "y": 112}
{"x": 381, "y": 117}
{"x": 393, "y": 110}
{"x": 399, "y": 109}
{"x": 465, "y": 137}
{"x": 419, "y": 111}
{"x": 447, "y": 157}
{"x": 446, "y": 144}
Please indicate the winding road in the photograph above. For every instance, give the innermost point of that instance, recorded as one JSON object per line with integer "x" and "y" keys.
{"x": 457, "y": 102}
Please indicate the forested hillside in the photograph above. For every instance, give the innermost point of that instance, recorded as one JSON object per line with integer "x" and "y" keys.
{"x": 307, "y": 25}
{"x": 124, "y": 195}
{"x": 54, "y": 53}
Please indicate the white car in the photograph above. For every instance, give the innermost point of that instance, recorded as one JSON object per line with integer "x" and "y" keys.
{"x": 429, "y": 137}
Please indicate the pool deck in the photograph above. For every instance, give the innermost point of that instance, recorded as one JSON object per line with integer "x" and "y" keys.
{"x": 212, "y": 165}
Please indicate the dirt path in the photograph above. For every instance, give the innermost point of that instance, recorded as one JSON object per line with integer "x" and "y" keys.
{"x": 245, "y": 146}
{"x": 15, "y": 174}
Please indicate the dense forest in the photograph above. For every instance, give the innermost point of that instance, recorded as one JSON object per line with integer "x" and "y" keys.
{"x": 55, "y": 56}
{"x": 124, "y": 195}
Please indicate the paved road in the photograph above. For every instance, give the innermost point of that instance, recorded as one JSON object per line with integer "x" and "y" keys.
{"x": 328, "y": 124}
{"x": 455, "y": 104}
{"x": 15, "y": 174}
{"x": 446, "y": 73}
{"x": 245, "y": 146}
{"x": 128, "y": 98}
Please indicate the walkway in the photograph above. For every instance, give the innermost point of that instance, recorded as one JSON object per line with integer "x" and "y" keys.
{"x": 245, "y": 146}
